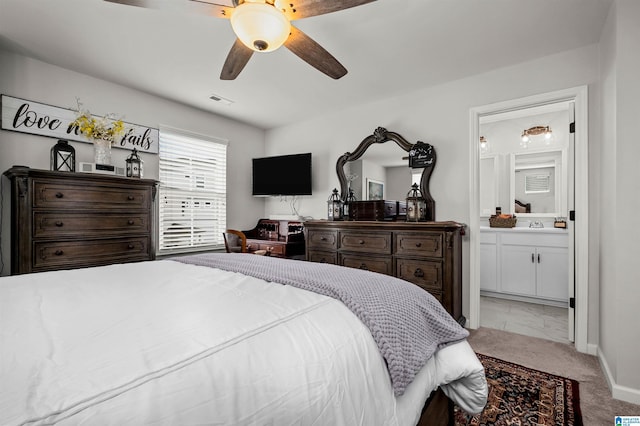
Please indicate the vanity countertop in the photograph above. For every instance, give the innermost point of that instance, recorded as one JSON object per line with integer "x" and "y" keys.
{"x": 547, "y": 230}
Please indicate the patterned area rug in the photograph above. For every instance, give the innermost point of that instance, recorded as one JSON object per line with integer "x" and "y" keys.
{"x": 522, "y": 396}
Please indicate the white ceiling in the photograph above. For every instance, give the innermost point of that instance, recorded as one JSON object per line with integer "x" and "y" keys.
{"x": 389, "y": 47}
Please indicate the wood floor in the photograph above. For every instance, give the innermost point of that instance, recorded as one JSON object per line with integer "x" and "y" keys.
{"x": 529, "y": 319}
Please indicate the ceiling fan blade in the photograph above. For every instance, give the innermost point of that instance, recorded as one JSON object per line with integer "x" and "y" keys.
{"x": 199, "y": 7}
{"x": 314, "y": 54}
{"x": 298, "y": 9}
{"x": 237, "y": 58}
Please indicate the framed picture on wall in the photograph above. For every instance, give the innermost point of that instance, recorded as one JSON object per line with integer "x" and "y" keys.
{"x": 375, "y": 189}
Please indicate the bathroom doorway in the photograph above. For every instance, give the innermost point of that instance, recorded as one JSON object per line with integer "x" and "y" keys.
{"x": 525, "y": 173}
{"x": 575, "y": 198}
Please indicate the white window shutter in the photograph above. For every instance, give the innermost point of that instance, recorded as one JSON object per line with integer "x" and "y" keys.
{"x": 537, "y": 183}
{"x": 193, "y": 191}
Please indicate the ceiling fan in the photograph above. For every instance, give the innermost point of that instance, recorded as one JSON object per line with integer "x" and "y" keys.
{"x": 263, "y": 26}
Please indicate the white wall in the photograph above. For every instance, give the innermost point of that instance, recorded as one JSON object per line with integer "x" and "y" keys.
{"x": 398, "y": 182}
{"x": 30, "y": 79}
{"x": 620, "y": 187}
{"x": 439, "y": 116}
{"x": 607, "y": 160}
{"x": 371, "y": 170}
{"x": 628, "y": 194}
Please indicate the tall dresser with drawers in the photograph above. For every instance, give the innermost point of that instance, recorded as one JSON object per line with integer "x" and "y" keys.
{"x": 63, "y": 220}
{"x": 428, "y": 254}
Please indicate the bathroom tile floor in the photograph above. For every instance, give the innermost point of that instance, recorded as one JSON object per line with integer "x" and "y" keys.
{"x": 530, "y": 319}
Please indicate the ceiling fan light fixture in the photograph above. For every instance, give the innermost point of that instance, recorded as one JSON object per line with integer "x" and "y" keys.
{"x": 260, "y": 26}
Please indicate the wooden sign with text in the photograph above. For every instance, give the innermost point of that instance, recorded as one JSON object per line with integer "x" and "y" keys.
{"x": 20, "y": 115}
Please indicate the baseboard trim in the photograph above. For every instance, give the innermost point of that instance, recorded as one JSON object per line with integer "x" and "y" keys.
{"x": 623, "y": 393}
{"x": 536, "y": 300}
{"x": 592, "y": 349}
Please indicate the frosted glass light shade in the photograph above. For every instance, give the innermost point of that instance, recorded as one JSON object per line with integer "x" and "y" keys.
{"x": 260, "y": 26}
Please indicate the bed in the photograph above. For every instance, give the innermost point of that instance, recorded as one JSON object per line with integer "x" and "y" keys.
{"x": 214, "y": 339}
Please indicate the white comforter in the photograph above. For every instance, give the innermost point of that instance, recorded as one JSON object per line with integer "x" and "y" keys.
{"x": 174, "y": 344}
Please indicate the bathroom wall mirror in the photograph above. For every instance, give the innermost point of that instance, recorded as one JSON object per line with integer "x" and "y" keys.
{"x": 489, "y": 184}
{"x": 538, "y": 184}
{"x": 533, "y": 172}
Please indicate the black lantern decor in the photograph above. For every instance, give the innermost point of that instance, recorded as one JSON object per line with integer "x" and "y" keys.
{"x": 63, "y": 157}
{"x": 134, "y": 165}
{"x": 416, "y": 205}
{"x": 334, "y": 205}
{"x": 348, "y": 205}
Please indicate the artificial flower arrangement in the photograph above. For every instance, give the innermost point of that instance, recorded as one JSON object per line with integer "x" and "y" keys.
{"x": 106, "y": 128}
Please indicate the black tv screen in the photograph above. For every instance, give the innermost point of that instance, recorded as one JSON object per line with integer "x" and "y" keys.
{"x": 282, "y": 175}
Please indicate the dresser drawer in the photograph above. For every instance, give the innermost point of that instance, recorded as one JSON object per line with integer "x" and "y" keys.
{"x": 64, "y": 224}
{"x": 426, "y": 274}
{"x": 379, "y": 264}
{"x": 76, "y": 254}
{"x": 325, "y": 239}
{"x": 323, "y": 256}
{"x": 419, "y": 244}
{"x": 379, "y": 242}
{"x": 426, "y": 254}
{"x": 51, "y": 194}
{"x": 276, "y": 250}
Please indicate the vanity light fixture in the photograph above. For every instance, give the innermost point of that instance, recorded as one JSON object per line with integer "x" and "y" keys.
{"x": 260, "y": 26}
{"x": 484, "y": 144}
{"x": 535, "y": 131}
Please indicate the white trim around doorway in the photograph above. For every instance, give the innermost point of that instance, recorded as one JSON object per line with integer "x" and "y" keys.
{"x": 578, "y": 95}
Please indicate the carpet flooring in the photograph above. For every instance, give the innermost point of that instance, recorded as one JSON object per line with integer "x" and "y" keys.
{"x": 596, "y": 404}
{"x": 523, "y": 396}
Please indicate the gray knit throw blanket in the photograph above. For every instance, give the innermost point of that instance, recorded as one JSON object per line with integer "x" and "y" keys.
{"x": 407, "y": 323}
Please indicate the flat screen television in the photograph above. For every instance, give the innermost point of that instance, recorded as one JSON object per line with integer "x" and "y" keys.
{"x": 282, "y": 175}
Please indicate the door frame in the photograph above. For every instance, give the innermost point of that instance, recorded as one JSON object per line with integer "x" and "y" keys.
{"x": 579, "y": 96}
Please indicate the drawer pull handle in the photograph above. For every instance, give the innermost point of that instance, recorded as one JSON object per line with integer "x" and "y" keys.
{"x": 323, "y": 238}
{"x": 130, "y": 246}
{"x": 130, "y": 222}
{"x": 418, "y": 244}
{"x": 131, "y": 198}
{"x": 538, "y": 257}
{"x": 59, "y": 195}
{"x": 533, "y": 258}
{"x": 323, "y": 260}
{"x": 419, "y": 273}
{"x": 59, "y": 223}
{"x": 363, "y": 266}
{"x": 361, "y": 242}
{"x": 58, "y": 252}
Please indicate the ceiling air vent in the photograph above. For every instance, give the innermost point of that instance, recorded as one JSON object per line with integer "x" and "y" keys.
{"x": 221, "y": 100}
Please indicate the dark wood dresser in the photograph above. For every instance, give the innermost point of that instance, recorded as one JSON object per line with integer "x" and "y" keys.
{"x": 428, "y": 254}
{"x": 63, "y": 220}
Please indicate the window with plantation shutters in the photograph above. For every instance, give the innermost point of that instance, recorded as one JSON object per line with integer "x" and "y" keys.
{"x": 193, "y": 191}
